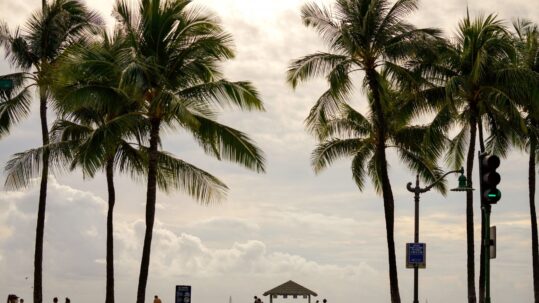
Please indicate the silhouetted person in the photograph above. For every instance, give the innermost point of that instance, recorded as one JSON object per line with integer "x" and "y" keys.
{"x": 156, "y": 299}
{"x": 55, "y": 300}
{"x": 68, "y": 300}
{"x": 12, "y": 299}
{"x": 256, "y": 299}
{"x": 21, "y": 300}
{"x": 324, "y": 301}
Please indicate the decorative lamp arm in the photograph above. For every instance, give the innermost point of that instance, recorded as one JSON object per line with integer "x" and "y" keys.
{"x": 461, "y": 171}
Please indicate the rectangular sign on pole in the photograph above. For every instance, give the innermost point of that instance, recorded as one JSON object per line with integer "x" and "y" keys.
{"x": 183, "y": 293}
{"x": 416, "y": 255}
{"x": 492, "y": 246}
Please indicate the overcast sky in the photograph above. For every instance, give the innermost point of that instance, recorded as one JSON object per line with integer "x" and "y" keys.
{"x": 319, "y": 231}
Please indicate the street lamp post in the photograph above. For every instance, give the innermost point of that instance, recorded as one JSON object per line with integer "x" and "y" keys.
{"x": 417, "y": 190}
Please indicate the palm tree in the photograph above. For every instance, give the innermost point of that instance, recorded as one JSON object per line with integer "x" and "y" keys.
{"x": 527, "y": 43}
{"x": 348, "y": 133}
{"x": 176, "y": 78}
{"x": 98, "y": 120}
{"x": 362, "y": 35}
{"x": 477, "y": 76}
{"x": 37, "y": 46}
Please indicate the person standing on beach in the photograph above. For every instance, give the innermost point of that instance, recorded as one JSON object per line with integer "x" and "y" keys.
{"x": 156, "y": 299}
{"x": 12, "y": 299}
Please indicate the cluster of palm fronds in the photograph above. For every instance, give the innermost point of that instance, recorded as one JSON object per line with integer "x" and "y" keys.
{"x": 482, "y": 84}
{"x": 114, "y": 94}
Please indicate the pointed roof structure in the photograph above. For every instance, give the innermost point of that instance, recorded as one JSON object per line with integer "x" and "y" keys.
{"x": 290, "y": 288}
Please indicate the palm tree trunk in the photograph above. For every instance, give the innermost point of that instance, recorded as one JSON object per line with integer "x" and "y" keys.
{"x": 40, "y": 228}
{"x": 469, "y": 213}
{"x": 389, "y": 213}
{"x": 109, "y": 296}
{"x": 150, "y": 209}
{"x": 533, "y": 217}
{"x": 389, "y": 203}
{"x": 482, "y": 247}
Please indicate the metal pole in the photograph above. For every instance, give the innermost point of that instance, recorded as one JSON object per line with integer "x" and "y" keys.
{"x": 416, "y": 237}
{"x": 487, "y": 209}
{"x": 417, "y": 191}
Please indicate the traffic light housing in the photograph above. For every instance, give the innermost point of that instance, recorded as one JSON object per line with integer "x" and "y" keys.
{"x": 489, "y": 178}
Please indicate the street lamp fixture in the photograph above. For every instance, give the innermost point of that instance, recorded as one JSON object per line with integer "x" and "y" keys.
{"x": 417, "y": 190}
{"x": 6, "y": 84}
{"x": 463, "y": 182}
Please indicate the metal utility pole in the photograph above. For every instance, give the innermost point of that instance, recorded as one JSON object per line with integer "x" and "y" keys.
{"x": 417, "y": 190}
{"x": 488, "y": 179}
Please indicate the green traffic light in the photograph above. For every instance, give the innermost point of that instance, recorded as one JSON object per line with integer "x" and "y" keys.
{"x": 493, "y": 196}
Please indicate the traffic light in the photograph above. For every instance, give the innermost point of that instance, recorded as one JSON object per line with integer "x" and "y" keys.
{"x": 489, "y": 178}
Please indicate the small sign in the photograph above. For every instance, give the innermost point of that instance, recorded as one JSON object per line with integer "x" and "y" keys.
{"x": 492, "y": 246}
{"x": 416, "y": 255}
{"x": 183, "y": 293}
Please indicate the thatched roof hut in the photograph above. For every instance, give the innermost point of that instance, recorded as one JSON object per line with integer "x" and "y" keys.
{"x": 290, "y": 288}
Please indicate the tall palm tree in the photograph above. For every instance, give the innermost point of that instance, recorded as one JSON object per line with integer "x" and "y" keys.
{"x": 37, "y": 46}
{"x": 175, "y": 75}
{"x": 362, "y": 35}
{"x": 526, "y": 36}
{"x": 98, "y": 119}
{"x": 477, "y": 76}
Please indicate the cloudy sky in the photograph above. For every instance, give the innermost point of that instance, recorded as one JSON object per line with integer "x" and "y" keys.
{"x": 286, "y": 224}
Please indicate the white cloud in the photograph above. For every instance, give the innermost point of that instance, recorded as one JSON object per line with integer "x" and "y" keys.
{"x": 74, "y": 250}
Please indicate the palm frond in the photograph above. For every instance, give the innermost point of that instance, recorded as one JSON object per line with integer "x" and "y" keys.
{"x": 349, "y": 123}
{"x": 324, "y": 109}
{"x": 329, "y": 151}
{"x": 229, "y": 144}
{"x": 359, "y": 162}
{"x": 225, "y": 93}
{"x": 321, "y": 19}
{"x": 314, "y": 65}
{"x": 427, "y": 169}
{"x": 131, "y": 160}
{"x": 199, "y": 184}
{"x": 457, "y": 148}
{"x": 25, "y": 166}
{"x": 13, "y": 109}
{"x": 374, "y": 172}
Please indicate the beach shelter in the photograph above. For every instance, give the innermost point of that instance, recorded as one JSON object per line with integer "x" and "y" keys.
{"x": 292, "y": 289}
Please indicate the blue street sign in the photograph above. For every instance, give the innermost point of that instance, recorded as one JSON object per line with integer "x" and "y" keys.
{"x": 183, "y": 293}
{"x": 416, "y": 255}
